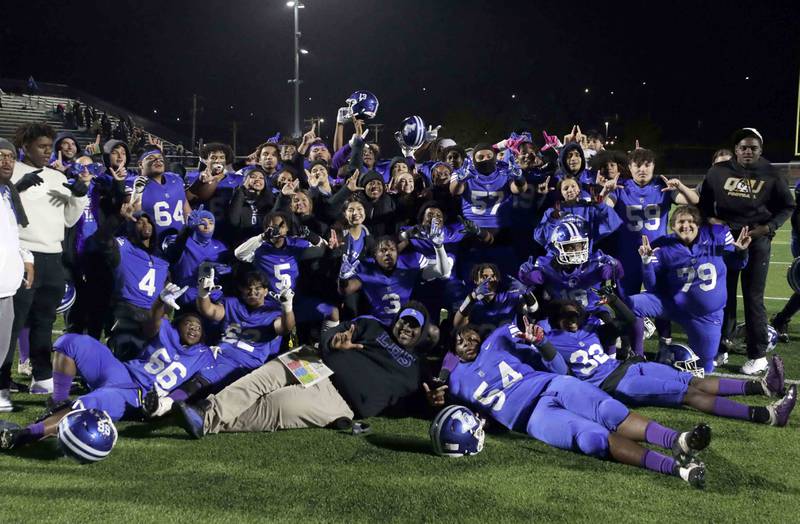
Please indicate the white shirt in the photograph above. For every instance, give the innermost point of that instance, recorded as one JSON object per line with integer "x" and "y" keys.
{"x": 50, "y": 208}
{"x": 12, "y": 255}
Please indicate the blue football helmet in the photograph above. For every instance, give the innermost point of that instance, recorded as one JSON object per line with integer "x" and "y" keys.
{"x": 456, "y": 432}
{"x": 86, "y": 435}
{"x": 681, "y": 357}
{"x": 740, "y": 336}
{"x": 412, "y": 131}
{"x": 68, "y": 299}
{"x": 363, "y": 104}
{"x": 793, "y": 275}
{"x": 570, "y": 240}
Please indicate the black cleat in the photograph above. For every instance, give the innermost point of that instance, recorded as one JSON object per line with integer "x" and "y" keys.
{"x": 9, "y": 434}
{"x": 690, "y": 443}
{"x": 191, "y": 420}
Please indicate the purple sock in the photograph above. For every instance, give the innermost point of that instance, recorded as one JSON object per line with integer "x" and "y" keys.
{"x": 657, "y": 462}
{"x": 24, "y": 344}
{"x": 658, "y": 435}
{"x": 36, "y": 430}
{"x": 730, "y": 409}
{"x": 730, "y": 387}
{"x": 178, "y": 395}
{"x": 61, "y": 384}
{"x": 637, "y": 337}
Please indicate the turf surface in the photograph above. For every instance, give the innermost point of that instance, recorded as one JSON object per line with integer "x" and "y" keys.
{"x": 156, "y": 474}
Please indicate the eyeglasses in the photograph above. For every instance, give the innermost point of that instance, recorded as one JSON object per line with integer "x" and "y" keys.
{"x": 6, "y": 157}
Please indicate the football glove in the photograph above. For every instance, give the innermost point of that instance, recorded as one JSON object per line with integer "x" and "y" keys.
{"x": 482, "y": 290}
{"x": 432, "y": 134}
{"x": 349, "y": 268}
{"x": 344, "y": 115}
{"x": 527, "y": 266}
{"x": 78, "y": 188}
{"x": 469, "y": 227}
{"x": 435, "y": 234}
{"x": 205, "y": 281}
{"x": 28, "y": 180}
{"x": 284, "y": 298}
{"x": 171, "y": 293}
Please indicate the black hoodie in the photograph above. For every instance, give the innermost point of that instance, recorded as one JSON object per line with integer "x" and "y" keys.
{"x": 749, "y": 196}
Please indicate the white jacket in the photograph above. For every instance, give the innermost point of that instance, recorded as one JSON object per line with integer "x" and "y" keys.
{"x": 50, "y": 208}
{"x": 12, "y": 255}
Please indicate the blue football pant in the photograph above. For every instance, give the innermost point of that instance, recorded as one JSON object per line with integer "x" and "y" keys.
{"x": 704, "y": 332}
{"x": 575, "y": 415}
{"x": 113, "y": 389}
{"x": 652, "y": 384}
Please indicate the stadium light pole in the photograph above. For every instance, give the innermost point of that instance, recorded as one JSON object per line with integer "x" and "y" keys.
{"x": 296, "y": 6}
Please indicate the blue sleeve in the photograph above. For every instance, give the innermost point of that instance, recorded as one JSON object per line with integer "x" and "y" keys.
{"x": 558, "y": 365}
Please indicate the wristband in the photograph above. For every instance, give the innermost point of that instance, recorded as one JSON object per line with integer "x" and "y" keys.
{"x": 466, "y": 307}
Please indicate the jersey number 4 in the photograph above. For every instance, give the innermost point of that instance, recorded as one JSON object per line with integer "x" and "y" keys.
{"x": 163, "y": 215}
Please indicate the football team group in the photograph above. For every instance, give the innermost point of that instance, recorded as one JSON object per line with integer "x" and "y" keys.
{"x": 510, "y": 283}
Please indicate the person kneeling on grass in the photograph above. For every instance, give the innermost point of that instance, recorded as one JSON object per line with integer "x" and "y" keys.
{"x": 174, "y": 353}
{"x": 517, "y": 379}
{"x": 374, "y": 368}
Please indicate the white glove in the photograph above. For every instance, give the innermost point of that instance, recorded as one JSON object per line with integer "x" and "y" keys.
{"x": 205, "y": 284}
{"x": 284, "y": 298}
{"x": 138, "y": 187}
{"x": 432, "y": 134}
{"x": 164, "y": 407}
{"x": 344, "y": 115}
{"x": 171, "y": 293}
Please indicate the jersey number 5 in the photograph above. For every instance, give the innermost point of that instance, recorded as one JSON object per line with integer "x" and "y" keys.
{"x": 496, "y": 397}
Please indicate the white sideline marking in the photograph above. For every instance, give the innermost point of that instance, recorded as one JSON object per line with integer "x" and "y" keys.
{"x": 746, "y": 377}
{"x": 784, "y": 299}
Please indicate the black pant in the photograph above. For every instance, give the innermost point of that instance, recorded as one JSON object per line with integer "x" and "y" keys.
{"x": 788, "y": 311}
{"x": 36, "y": 308}
{"x": 754, "y": 282}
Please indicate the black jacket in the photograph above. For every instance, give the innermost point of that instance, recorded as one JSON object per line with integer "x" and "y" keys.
{"x": 746, "y": 197}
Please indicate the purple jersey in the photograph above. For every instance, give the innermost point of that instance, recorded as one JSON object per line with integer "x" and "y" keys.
{"x": 691, "y": 279}
{"x": 140, "y": 276}
{"x": 280, "y": 264}
{"x": 600, "y": 219}
{"x": 583, "y": 352}
{"x": 573, "y": 282}
{"x": 165, "y": 363}
{"x": 386, "y": 292}
{"x": 501, "y": 310}
{"x": 643, "y": 210}
{"x": 185, "y": 270}
{"x": 164, "y": 203}
{"x": 503, "y": 381}
{"x": 486, "y": 199}
{"x": 249, "y": 338}
{"x": 218, "y": 203}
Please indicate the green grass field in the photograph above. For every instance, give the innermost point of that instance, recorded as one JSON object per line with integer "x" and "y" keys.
{"x": 157, "y": 474}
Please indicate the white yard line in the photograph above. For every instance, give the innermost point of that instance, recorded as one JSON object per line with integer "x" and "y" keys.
{"x": 746, "y": 377}
{"x": 784, "y": 299}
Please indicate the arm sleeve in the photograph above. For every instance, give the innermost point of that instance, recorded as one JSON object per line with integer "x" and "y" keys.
{"x": 340, "y": 157}
{"x": 649, "y": 273}
{"x": 247, "y": 249}
{"x": 551, "y": 358}
{"x": 74, "y": 209}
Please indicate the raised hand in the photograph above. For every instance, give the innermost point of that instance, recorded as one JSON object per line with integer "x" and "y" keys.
{"x": 551, "y": 142}
{"x": 78, "y": 188}
{"x": 743, "y": 240}
{"x": 333, "y": 240}
{"x": 170, "y": 294}
{"x": 155, "y": 141}
{"x": 58, "y": 163}
{"x": 468, "y": 227}
{"x": 119, "y": 174}
{"x": 671, "y": 184}
{"x": 290, "y": 188}
{"x": 482, "y": 290}
{"x": 138, "y": 187}
{"x": 432, "y": 134}
{"x": 352, "y": 182}
{"x": 436, "y": 233}
{"x": 527, "y": 266}
{"x": 645, "y": 250}
{"x": 532, "y": 333}
{"x": 343, "y": 340}
{"x": 435, "y": 396}
{"x": 205, "y": 282}
{"x": 544, "y": 187}
{"x": 344, "y": 115}
{"x": 349, "y": 267}
{"x": 94, "y": 147}
{"x": 29, "y": 180}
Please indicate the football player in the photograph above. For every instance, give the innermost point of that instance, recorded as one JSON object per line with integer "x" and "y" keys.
{"x": 520, "y": 384}
{"x": 580, "y": 339}
{"x": 493, "y": 301}
{"x": 174, "y": 353}
{"x": 684, "y": 275}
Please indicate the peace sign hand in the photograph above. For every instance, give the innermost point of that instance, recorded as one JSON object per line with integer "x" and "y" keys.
{"x": 645, "y": 250}
{"x": 744, "y": 239}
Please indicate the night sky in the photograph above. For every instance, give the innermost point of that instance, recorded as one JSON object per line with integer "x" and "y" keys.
{"x": 684, "y": 75}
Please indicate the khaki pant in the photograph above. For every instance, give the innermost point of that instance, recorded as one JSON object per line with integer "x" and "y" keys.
{"x": 269, "y": 399}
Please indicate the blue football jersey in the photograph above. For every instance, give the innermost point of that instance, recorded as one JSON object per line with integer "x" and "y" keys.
{"x": 280, "y": 264}
{"x": 387, "y": 292}
{"x": 165, "y": 363}
{"x": 184, "y": 271}
{"x": 691, "y": 279}
{"x": 505, "y": 380}
{"x": 499, "y": 311}
{"x": 164, "y": 204}
{"x": 573, "y": 282}
{"x": 583, "y": 352}
{"x": 140, "y": 276}
{"x": 249, "y": 335}
{"x": 601, "y": 221}
{"x": 219, "y": 201}
{"x": 644, "y": 211}
{"x": 486, "y": 199}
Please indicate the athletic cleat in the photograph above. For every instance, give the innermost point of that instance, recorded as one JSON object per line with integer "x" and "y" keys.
{"x": 755, "y": 366}
{"x": 694, "y": 474}
{"x": 155, "y": 406}
{"x": 779, "y": 411}
{"x": 773, "y": 381}
{"x": 649, "y": 327}
{"x": 42, "y": 387}
{"x": 690, "y": 443}
{"x": 721, "y": 359}
{"x": 191, "y": 420}
{"x": 9, "y": 434}
{"x": 52, "y": 407}
{"x": 17, "y": 387}
{"x": 24, "y": 368}
{"x": 5, "y": 401}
